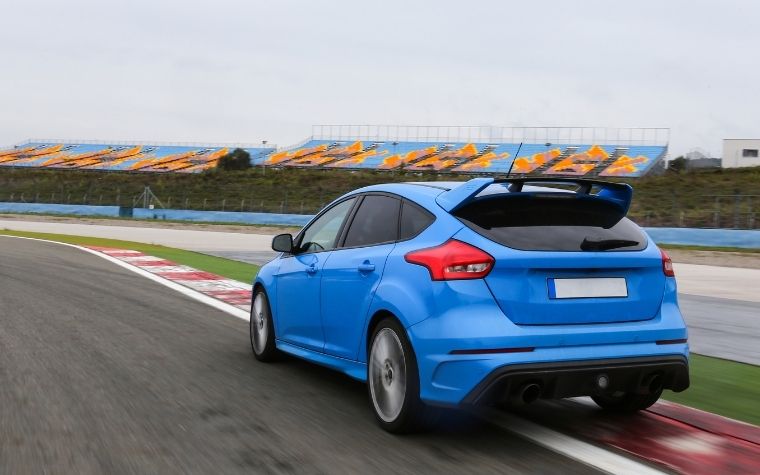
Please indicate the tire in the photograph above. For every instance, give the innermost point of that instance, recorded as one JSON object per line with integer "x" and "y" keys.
{"x": 262, "y": 328}
{"x": 393, "y": 381}
{"x": 628, "y": 402}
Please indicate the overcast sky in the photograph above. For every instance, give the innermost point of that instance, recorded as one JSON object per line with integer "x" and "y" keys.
{"x": 243, "y": 71}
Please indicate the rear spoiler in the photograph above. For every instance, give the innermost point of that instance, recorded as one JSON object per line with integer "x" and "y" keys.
{"x": 618, "y": 193}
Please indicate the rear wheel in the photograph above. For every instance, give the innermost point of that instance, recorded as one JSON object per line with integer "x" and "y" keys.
{"x": 393, "y": 381}
{"x": 627, "y": 402}
{"x": 262, "y": 327}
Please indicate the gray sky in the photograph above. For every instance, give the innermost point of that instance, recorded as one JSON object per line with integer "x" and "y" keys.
{"x": 243, "y": 71}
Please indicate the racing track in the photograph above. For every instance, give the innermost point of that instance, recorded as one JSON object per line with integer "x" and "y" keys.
{"x": 102, "y": 371}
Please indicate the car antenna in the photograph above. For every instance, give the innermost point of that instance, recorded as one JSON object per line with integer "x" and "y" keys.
{"x": 517, "y": 154}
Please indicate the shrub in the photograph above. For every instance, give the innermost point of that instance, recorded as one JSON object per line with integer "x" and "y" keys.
{"x": 238, "y": 159}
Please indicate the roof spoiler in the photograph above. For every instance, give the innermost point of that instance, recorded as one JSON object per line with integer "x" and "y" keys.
{"x": 618, "y": 193}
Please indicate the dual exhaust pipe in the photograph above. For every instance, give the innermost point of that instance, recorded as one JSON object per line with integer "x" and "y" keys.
{"x": 530, "y": 392}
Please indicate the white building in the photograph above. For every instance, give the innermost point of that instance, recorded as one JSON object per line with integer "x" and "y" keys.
{"x": 741, "y": 153}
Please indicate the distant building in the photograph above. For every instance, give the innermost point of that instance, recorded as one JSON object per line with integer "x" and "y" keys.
{"x": 741, "y": 153}
{"x": 699, "y": 159}
{"x": 693, "y": 160}
{"x": 703, "y": 163}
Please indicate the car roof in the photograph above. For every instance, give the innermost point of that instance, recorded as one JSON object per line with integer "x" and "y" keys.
{"x": 425, "y": 192}
{"x": 413, "y": 191}
{"x": 435, "y": 188}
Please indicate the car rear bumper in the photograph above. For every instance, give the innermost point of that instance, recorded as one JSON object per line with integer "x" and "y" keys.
{"x": 582, "y": 378}
{"x": 462, "y": 346}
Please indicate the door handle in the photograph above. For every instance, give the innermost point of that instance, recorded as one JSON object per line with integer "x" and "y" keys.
{"x": 312, "y": 269}
{"x": 366, "y": 267}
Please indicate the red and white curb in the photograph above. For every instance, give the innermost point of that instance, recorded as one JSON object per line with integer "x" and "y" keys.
{"x": 675, "y": 437}
{"x": 231, "y": 292}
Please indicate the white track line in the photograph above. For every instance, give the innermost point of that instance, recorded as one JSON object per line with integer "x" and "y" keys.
{"x": 589, "y": 454}
{"x": 562, "y": 444}
{"x": 217, "y": 304}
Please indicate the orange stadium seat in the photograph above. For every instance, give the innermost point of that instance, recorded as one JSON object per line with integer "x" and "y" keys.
{"x": 531, "y": 159}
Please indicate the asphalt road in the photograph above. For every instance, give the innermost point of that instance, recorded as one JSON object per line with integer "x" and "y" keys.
{"x": 724, "y": 328}
{"x": 102, "y": 371}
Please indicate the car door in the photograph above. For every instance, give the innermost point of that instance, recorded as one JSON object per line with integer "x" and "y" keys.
{"x": 298, "y": 279}
{"x": 353, "y": 271}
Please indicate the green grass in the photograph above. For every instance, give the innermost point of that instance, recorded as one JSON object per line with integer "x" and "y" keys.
{"x": 217, "y": 265}
{"x": 685, "y": 247}
{"x": 722, "y": 387}
{"x": 719, "y": 386}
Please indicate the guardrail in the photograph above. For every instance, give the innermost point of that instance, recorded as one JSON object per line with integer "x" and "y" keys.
{"x": 684, "y": 236}
{"x": 492, "y": 134}
{"x": 261, "y": 145}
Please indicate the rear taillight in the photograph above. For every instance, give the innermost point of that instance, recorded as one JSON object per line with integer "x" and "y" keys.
{"x": 453, "y": 260}
{"x": 667, "y": 265}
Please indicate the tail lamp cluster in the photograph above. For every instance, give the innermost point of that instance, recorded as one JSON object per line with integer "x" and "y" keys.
{"x": 667, "y": 265}
{"x": 453, "y": 260}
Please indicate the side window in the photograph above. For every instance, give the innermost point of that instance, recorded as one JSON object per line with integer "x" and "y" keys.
{"x": 375, "y": 222}
{"x": 322, "y": 233}
{"x": 414, "y": 220}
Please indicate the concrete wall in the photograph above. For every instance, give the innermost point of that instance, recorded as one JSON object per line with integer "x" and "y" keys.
{"x": 686, "y": 236}
{"x": 733, "y": 153}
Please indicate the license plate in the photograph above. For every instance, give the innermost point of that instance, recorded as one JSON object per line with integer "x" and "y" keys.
{"x": 587, "y": 288}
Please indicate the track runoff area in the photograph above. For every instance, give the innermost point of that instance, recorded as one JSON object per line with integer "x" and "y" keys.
{"x": 668, "y": 437}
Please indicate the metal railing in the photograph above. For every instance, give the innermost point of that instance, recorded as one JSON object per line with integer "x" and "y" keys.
{"x": 148, "y": 142}
{"x": 489, "y": 134}
{"x": 737, "y": 211}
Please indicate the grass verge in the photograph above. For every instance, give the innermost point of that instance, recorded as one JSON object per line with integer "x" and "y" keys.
{"x": 719, "y": 386}
{"x": 722, "y": 387}
{"x": 684, "y": 247}
{"x": 217, "y": 265}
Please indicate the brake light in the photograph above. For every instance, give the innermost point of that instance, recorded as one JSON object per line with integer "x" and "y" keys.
{"x": 667, "y": 265}
{"x": 453, "y": 260}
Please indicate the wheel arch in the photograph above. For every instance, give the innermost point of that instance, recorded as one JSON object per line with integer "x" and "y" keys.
{"x": 372, "y": 324}
{"x": 374, "y": 321}
{"x": 260, "y": 285}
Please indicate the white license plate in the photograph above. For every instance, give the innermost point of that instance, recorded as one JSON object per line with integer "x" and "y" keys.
{"x": 587, "y": 288}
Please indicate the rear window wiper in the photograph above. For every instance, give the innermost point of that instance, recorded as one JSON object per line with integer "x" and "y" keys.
{"x": 606, "y": 244}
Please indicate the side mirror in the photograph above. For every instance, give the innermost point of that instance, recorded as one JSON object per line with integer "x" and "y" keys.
{"x": 283, "y": 243}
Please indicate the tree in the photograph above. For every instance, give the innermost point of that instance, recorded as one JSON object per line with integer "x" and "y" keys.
{"x": 238, "y": 159}
{"x": 678, "y": 164}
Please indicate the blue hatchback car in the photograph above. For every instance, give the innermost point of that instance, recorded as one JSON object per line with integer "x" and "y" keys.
{"x": 477, "y": 292}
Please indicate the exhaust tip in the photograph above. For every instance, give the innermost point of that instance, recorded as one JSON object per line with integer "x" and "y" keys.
{"x": 529, "y": 393}
{"x": 653, "y": 383}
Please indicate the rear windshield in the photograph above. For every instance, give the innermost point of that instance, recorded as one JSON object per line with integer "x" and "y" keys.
{"x": 553, "y": 222}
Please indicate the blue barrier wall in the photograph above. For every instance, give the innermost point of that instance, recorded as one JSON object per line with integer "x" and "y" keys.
{"x": 222, "y": 216}
{"x": 706, "y": 237}
{"x": 170, "y": 214}
{"x": 684, "y": 236}
{"x": 43, "y": 208}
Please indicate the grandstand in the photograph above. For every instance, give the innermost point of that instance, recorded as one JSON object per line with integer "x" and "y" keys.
{"x": 578, "y": 151}
{"x": 548, "y": 151}
{"x": 131, "y": 157}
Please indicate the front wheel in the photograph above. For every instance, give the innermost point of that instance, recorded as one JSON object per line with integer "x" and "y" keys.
{"x": 393, "y": 381}
{"x": 262, "y": 327}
